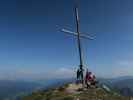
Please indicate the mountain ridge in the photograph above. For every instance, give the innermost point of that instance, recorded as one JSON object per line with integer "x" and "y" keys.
{"x": 61, "y": 93}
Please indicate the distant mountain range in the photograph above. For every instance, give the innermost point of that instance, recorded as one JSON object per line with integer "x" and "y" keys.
{"x": 123, "y": 85}
{"x": 13, "y": 89}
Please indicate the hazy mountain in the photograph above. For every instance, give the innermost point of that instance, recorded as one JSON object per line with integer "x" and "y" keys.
{"x": 54, "y": 82}
{"x": 12, "y": 88}
{"x": 123, "y": 85}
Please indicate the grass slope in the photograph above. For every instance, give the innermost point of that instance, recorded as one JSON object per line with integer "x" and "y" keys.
{"x": 60, "y": 94}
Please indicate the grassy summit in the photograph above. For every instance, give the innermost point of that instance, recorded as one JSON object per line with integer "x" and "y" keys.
{"x": 63, "y": 93}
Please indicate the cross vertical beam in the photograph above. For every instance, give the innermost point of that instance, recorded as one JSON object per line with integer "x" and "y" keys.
{"x": 79, "y": 43}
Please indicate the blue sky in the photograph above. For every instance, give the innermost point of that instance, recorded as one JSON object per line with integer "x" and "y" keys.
{"x": 31, "y": 46}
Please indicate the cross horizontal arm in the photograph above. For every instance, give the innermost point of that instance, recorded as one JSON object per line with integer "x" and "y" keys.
{"x": 86, "y": 36}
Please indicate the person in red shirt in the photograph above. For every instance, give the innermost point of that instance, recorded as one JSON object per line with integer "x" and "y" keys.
{"x": 88, "y": 78}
